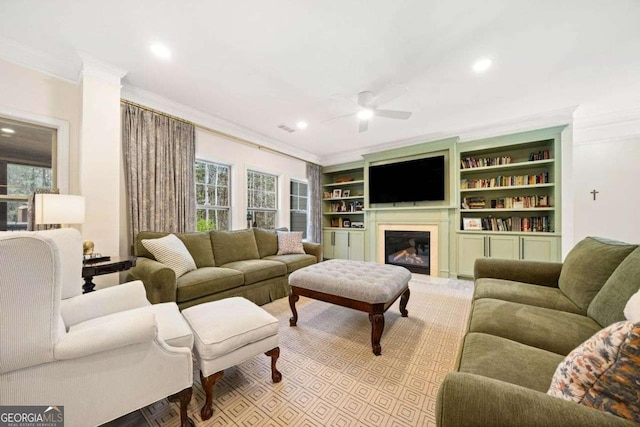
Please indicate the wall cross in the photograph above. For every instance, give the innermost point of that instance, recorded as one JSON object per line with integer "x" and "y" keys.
{"x": 594, "y": 192}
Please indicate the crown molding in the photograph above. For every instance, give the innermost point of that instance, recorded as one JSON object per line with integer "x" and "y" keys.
{"x": 543, "y": 120}
{"x": 160, "y": 103}
{"x": 61, "y": 68}
{"x": 607, "y": 126}
{"x": 97, "y": 69}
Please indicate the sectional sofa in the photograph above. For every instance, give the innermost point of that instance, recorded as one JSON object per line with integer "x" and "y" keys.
{"x": 229, "y": 263}
{"x": 526, "y": 317}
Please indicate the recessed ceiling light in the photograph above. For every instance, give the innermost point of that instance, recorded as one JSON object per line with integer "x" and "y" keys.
{"x": 365, "y": 114}
{"x": 8, "y": 130}
{"x": 482, "y": 65}
{"x": 302, "y": 124}
{"x": 161, "y": 50}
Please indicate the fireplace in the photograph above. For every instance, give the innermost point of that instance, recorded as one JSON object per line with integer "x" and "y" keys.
{"x": 409, "y": 249}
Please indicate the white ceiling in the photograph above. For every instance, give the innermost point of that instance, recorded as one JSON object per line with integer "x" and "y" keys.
{"x": 261, "y": 63}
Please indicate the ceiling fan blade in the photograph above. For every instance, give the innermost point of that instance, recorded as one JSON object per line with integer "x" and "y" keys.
{"x": 364, "y": 125}
{"x": 393, "y": 114}
{"x": 389, "y": 95}
{"x": 339, "y": 117}
{"x": 365, "y": 98}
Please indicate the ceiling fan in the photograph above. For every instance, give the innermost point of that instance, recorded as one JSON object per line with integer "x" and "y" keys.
{"x": 369, "y": 103}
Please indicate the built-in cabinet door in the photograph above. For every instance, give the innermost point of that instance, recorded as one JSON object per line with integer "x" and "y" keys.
{"x": 328, "y": 244}
{"x": 539, "y": 248}
{"x": 356, "y": 245}
{"x": 341, "y": 248}
{"x": 503, "y": 247}
{"x": 470, "y": 247}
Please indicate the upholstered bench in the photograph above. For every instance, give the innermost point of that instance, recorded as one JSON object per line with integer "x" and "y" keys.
{"x": 363, "y": 286}
{"x": 228, "y": 332}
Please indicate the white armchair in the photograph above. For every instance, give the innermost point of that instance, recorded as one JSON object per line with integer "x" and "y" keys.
{"x": 102, "y": 354}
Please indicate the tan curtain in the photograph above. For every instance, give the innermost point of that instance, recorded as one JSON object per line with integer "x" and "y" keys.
{"x": 314, "y": 225}
{"x": 159, "y": 155}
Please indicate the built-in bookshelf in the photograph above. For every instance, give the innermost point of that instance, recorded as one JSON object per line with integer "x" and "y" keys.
{"x": 343, "y": 198}
{"x": 509, "y": 198}
{"x": 509, "y": 188}
{"x": 343, "y": 212}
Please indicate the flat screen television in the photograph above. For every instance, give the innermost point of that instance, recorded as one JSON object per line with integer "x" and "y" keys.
{"x": 411, "y": 181}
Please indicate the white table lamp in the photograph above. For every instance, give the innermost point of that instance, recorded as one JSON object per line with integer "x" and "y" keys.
{"x": 59, "y": 209}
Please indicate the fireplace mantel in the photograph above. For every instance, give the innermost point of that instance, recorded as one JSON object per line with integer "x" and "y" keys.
{"x": 435, "y": 221}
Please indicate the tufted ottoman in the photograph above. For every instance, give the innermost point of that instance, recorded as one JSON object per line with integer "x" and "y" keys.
{"x": 228, "y": 332}
{"x": 364, "y": 286}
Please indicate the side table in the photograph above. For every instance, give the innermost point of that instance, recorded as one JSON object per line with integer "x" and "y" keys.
{"x": 115, "y": 264}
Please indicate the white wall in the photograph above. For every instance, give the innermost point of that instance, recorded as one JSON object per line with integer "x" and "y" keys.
{"x": 242, "y": 157}
{"x": 606, "y": 157}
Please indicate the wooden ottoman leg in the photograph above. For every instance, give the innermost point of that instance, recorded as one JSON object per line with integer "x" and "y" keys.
{"x": 377, "y": 326}
{"x": 207, "y": 385}
{"x": 404, "y": 299}
{"x": 274, "y": 353}
{"x": 293, "y": 298}
{"x": 184, "y": 397}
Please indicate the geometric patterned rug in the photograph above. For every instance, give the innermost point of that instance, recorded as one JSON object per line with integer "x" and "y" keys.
{"x": 330, "y": 376}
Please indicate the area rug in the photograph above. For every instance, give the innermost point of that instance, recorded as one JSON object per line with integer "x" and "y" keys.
{"x": 330, "y": 375}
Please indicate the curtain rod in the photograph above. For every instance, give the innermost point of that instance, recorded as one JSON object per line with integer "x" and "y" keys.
{"x": 214, "y": 131}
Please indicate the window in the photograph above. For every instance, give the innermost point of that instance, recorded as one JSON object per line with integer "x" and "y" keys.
{"x": 299, "y": 209}
{"x": 212, "y": 196}
{"x": 22, "y": 180}
{"x": 262, "y": 199}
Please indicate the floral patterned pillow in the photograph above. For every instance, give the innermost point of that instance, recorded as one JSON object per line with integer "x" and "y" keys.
{"x": 290, "y": 242}
{"x": 604, "y": 372}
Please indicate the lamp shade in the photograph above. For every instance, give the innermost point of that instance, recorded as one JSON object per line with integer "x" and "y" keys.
{"x": 59, "y": 209}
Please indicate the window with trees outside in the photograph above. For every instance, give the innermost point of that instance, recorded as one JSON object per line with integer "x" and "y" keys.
{"x": 299, "y": 208}
{"x": 212, "y": 196}
{"x": 21, "y": 181}
{"x": 262, "y": 199}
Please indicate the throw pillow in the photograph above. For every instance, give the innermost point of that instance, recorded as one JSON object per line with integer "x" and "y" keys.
{"x": 290, "y": 242}
{"x": 604, "y": 372}
{"x": 632, "y": 309}
{"x": 170, "y": 251}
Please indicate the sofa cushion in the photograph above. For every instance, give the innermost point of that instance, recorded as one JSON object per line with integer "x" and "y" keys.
{"x": 198, "y": 245}
{"x": 293, "y": 261}
{"x": 519, "y": 364}
{"x": 206, "y": 281}
{"x": 524, "y": 293}
{"x": 588, "y": 266}
{"x": 551, "y": 330}
{"x": 257, "y": 270}
{"x": 290, "y": 242}
{"x": 604, "y": 373}
{"x": 608, "y": 305}
{"x": 170, "y": 251}
{"x": 230, "y": 246}
{"x": 267, "y": 242}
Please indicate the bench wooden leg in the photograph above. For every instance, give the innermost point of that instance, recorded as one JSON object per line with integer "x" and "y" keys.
{"x": 404, "y": 299}
{"x": 274, "y": 353}
{"x": 207, "y": 384}
{"x": 377, "y": 326}
{"x": 184, "y": 397}
{"x": 293, "y": 298}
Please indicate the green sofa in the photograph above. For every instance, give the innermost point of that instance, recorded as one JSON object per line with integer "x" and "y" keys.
{"x": 526, "y": 317}
{"x": 230, "y": 263}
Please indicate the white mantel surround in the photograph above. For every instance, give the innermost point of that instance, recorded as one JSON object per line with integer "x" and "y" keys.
{"x": 437, "y": 221}
{"x": 433, "y": 240}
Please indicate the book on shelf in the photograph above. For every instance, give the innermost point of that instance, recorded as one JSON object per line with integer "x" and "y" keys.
{"x": 472, "y": 162}
{"x": 540, "y": 224}
{"x": 540, "y": 155}
{"x": 505, "y": 181}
